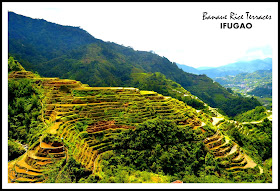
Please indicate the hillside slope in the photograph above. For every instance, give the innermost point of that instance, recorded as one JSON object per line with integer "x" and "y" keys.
{"x": 74, "y": 54}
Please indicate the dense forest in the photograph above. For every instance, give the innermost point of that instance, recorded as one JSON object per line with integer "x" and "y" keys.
{"x": 75, "y": 54}
{"x": 24, "y": 109}
{"x": 262, "y": 91}
{"x": 256, "y": 114}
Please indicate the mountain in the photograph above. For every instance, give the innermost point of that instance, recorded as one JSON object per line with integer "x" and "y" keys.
{"x": 188, "y": 69}
{"x": 239, "y": 67}
{"x": 204, "y": 68}
{"x": 248, "y": 66}
{"x": 69, "y": 52}
{"x": 232, "y": 69}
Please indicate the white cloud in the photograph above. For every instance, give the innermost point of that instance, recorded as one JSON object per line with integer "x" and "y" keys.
{"x": 257, "y": 53}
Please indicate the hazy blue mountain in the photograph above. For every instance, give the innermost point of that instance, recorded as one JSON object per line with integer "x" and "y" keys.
{"x": 249, "y": 66}
{"x": 230, "y": 69}
{"x": 204, "y": 68}
{"x": 188, "y": 68}
{"x": 238, "y": 67}
{"x": 215, "y": 72}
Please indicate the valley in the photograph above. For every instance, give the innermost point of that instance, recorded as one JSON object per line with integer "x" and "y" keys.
{"x": 257, "y": 84}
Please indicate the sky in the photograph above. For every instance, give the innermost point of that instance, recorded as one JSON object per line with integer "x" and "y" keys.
{"x": 173, "y": 30}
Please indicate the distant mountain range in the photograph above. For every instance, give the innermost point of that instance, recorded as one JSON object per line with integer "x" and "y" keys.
{"x": 231, "y": 69}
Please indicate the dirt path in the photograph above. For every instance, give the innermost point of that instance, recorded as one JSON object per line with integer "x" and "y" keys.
{"x": 22, "y": 163}
{"x": 216, "y": 120}
{"x": 11, "y": 173}
{"x": 25, "y": 171}
{"x": 32, "y": 154}
{"x": 233, "y": 149}
{"x": 201, "y": 127}
{"x": 250, "y": 162}
{"x": 95, "y": 163}
{"x": 260, "y": 121}
{"x": 54, "y": 127}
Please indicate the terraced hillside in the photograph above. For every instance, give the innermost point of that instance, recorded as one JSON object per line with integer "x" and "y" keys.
{"x": 105, "y": 111}
{"x": 229, "y": 154}
{"x": 84, "y": 122}
{"x": 31, "y": 166}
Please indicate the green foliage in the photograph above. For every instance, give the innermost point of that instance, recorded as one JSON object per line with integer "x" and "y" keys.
{"x": 159, "y": 146}
{"x": 189, "y": 178}
{"x": 256, "y": 114}
{"x": 262, "y": 91}
{"x": 123, "y": 174}
{"x": 71, "y": 172}
{"x": 268, "y": 163}
{"x": 23, "y": 109}
{"x": 248, "y": 80}
{"x": 14, "y": 65}
{"x": 15, "y": 149}
{"x": 239, "y": 105}
{"x": 81, "y": 126}
{"x": 159, "y": 83}
{"x": 258, "y": 84}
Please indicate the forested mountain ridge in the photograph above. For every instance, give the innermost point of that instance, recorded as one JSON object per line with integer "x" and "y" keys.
{"x": 38, "y": 40}
{"x": 80, "y": 134}
{"x": 70, "y": 52}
